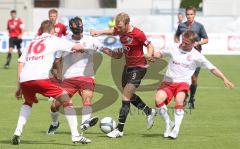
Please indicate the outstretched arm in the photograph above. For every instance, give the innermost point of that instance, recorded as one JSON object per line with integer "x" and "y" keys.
{"x": 220, "y": 75}
{"x": 115, "y": 53}
{"x": 101, "y": 32}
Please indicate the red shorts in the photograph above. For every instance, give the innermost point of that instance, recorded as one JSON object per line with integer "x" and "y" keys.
{"x": 78, "y": 84}
{"x": 173, "y": 88}
{"x": 44, "y": 87}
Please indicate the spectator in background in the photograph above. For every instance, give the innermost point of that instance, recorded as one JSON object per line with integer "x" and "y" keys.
{"x": 15, "y": 30}
{"x": 180, "y": 17}
{"x": 201, "y": 39}
{"x": 59, "y": 28}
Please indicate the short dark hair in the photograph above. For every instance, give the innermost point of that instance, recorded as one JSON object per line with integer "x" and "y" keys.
{"x": 46, "y": 26}
{"x": 13, "y": 11}
{"x": 190, "y": 8}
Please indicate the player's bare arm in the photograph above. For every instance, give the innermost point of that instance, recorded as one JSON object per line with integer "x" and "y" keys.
{"x": 115, "y": 53}
{"x": 150, "y": 53}
{"x": 94, "y": 32}
{"x": 220, "y": 75}
{"x": 202, "y": 42}
{"x": 56, "y": 69}
{"x": 176, "y": 39}
{"x": 18, "y": 93}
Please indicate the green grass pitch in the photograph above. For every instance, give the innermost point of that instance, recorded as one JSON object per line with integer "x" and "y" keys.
{"x": 214, "y": 124}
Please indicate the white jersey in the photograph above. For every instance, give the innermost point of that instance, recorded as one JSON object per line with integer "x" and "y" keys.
{"x": 80, "y": 64}
{"x": 182, "y": 64}
{"x": 39, "y": 56}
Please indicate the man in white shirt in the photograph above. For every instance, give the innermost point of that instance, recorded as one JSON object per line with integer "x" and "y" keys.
{"x": 182, "y": 64}
{"x": 78, "y": 75}
{"x": 33, "y": 73}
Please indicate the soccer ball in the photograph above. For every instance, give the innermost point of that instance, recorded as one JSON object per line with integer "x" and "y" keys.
{"x": 107, "y": 124}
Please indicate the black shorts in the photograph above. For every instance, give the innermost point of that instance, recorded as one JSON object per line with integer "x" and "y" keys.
{"x": 133, "y": 75}
{"x": 14, "y": 41}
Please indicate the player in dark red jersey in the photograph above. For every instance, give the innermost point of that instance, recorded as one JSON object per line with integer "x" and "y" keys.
{"x": 59, "y": 28}
{"x": 133, "y": 40}
{"x": 15, "y": 30}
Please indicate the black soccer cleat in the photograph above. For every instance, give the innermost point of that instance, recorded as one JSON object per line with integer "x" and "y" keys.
{"x": 191, "y": 104}
{"x": 16, "y": 140}
{"x": 6, "y": 66}
{"x": 52, "y": 129}
{"x": 89, "y": 123}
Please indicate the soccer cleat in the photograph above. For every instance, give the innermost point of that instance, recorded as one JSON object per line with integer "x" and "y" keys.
{"x": 52, "y": 129}
{"x": 115, "y": 134}
{"x": 6, "y": 66}
{"x": 89, "y": 123}
{"x": 150, "y": 119}
{"x": 80, "y": 139}
{"x": 191, "y": 103}
{"x": 168, "y": 129}
{"x": 174, "y": 134}
{"x": 16, "y": 140}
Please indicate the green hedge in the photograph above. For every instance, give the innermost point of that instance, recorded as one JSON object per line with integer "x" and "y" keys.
{"x": 186, "y": 3}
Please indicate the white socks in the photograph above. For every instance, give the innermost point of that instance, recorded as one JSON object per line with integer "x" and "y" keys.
{"x": 23, "y": 117}
{"x": 163, "y": 111}
{"x": 54, "y": 116}
{"x": 86, "y": 113}
{"x": 71, "y": 117}
{"x": 178, "y": 116}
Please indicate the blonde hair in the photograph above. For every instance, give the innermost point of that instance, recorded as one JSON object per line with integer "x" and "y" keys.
{"x": 190, "y": 35}
{"x": 122, "y": 17}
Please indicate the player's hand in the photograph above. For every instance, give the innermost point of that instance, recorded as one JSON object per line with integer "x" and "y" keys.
{"x": 94, "y": 32}
{"x": 150, "y": 58}
{"x": 18, "y": 93}
{"x": 228, "y": 84}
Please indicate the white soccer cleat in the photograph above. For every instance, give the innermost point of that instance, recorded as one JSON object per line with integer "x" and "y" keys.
{"x": 168, "y": 129}
{"x": 150, "y": 119}
{"x": 174, "y": 134}
{"x": 80, "y": 139}
{"x": 115, "y": 134}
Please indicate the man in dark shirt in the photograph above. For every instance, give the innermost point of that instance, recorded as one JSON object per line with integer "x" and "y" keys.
{"x": 201, "y": 39}
{"x": 133, "y": 40}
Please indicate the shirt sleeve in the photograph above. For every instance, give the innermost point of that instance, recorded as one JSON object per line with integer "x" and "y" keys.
{"x": 59, "y": 54}
{"x": 203, "y": 33}
{"x": 141, "y": 37}
{"x": 204, "y": 63}
{"x": 178, "y": 31}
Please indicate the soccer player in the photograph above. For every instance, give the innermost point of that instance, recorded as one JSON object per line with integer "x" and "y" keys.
{"x": 202, "y": 38}
{"x": 184, "y": 59}
{"x": 78, "y": 75}
{"x": 59, "y": 28}
{"x": 15, "y": 30}
{"x": 40, "y": 54}
{"x": 133, "y": 40}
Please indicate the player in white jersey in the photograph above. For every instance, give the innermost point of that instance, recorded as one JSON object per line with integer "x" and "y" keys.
{"x": 184, "y": 59}
{"x": 33, "y": 72}
{"x": 78, "y": 75}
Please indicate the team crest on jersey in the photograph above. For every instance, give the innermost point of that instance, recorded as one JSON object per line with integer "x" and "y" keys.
{"x": 57, "y": 29}
{"x": 129, "y": 40}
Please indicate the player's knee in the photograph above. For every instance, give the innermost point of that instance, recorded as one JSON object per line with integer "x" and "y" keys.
{"x": 87, "y": 102}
